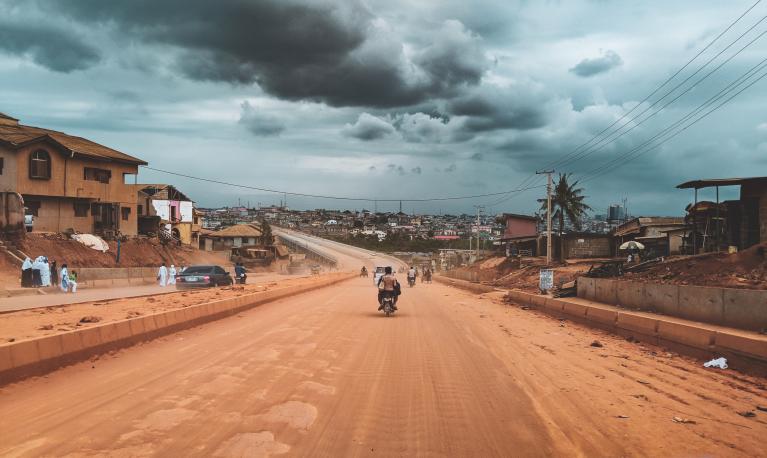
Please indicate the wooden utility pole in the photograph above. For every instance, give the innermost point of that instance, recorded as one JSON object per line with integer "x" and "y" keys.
{"x": 479, "y": 209}
{"x": 548, "y": 214}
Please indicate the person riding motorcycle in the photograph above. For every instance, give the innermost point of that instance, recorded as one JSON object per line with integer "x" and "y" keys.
{"x": 239, "y": 273}
{"x": 388, "y": 286}
{"x": 364, "y": 272}
{"x": 411, "y": 274}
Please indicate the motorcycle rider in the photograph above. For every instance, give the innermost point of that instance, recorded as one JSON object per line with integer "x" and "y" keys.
{"x": 364, "y": 272}
{"x": 411, "y": 274}
{"x": 388, "y": 286}
{"x": 239, "y": 273}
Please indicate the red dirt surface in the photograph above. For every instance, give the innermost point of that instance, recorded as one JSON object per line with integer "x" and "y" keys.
{"x": 39, "y": 322}
{"x": 133, "y": 252}
{"x": 747, "y": 270}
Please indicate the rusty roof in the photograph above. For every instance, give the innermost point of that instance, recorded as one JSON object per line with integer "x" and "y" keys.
{"x": 18, "y": 135}
{"x": 163, "y": 192}
{"x": 697, "y": 184}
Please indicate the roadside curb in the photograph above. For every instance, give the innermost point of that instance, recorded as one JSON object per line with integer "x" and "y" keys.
{"x": 463, "y": 284}
{"x": 38, "y": 356}
{"x": 745, "y": 351}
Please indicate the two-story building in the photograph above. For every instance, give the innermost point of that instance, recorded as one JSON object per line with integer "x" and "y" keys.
{"x": 68, "y": 182}
{"x": 162, "y": 206}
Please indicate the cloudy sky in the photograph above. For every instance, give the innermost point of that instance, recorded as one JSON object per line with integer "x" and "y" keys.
{"x": 396, "y": 99}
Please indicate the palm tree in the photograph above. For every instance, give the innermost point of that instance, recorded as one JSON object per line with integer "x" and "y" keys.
{"x": 566, "y": 202}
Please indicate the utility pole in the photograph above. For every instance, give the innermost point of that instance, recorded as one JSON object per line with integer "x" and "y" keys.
{"x": 548, "y": 214}
{"x": 479, "y": 209}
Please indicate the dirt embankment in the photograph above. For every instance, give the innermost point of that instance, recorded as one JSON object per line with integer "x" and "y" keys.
{"x": 133, "y": 252}
{"x": 525, "y": 275}
{"x": 747, "y": 269}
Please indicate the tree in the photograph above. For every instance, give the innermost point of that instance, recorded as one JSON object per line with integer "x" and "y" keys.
{"x": 266, "y": 231}
{"x": 566, "y": 202}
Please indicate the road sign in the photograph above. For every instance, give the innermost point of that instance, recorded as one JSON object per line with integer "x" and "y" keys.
{"x": 547, "y": 279}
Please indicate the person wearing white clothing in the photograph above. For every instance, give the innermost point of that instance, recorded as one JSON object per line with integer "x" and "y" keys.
{"x": 64, "y": 278}
{"x": 172, "y": 275}
{"x": 162, "y": 275}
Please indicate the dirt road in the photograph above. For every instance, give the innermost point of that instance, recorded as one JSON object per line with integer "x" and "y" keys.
{"x": 324, "y": 374}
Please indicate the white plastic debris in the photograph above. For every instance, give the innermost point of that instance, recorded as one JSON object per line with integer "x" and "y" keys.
{"x": 721, "y": 363}
{"x": 92, "y": 241}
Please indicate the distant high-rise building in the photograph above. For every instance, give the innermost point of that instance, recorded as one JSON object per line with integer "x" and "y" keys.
{"x": 616, "y": 213}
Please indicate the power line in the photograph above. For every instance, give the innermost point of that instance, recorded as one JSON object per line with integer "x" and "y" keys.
{"x": 599, "y": 171}
{"x": 668, "y": 80}
{"x": 564, "y": 160}
{"x": 347, "y": 198}
{"x": 590, "y": 150}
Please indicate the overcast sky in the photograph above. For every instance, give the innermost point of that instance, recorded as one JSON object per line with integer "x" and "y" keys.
{"x": 392, "y": 98}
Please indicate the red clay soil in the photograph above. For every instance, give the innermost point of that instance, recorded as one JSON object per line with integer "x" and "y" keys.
{"x": 504, "y": 272}
{"x": 25, "y": 324}
{"x": 746, "y": 270}
{"x": 133, "y": 252}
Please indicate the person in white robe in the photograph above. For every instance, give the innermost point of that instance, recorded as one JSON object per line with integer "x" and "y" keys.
{"x": 64, "y": 280}
{"x": 172, "y": 275}
{"x": 162, "y": 275}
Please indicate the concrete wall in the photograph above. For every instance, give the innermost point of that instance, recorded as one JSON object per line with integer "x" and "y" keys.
{"x": 9, "y": 172}
{"x": 11, "y": 214}
{"x": 588, "y": 247}
{"x": 743, "y": 309}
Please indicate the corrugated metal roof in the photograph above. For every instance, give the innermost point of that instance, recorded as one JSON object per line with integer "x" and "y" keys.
{"x": 238, "y": 230}
{"x": 697, "y": 184}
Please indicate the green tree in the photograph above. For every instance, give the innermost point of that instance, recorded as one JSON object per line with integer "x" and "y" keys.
{"x": 566, "y": 202}
{"x": 266, "y": 231}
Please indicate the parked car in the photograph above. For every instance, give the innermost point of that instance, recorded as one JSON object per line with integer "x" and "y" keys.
{"x": 203, "y": 277}
{"x": 29, "y": 222}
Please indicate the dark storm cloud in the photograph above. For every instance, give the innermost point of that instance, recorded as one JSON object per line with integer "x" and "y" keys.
{"x": 398, "y": 169}
{"x": 491, "y": 108}
{"x": 47, "y": 46}
{"x": 295, "y": 50}
{"x": 417, "y": 170}
{"x": 597, "y": 65}
{"x": 259, "y": 123}
{"x": 368, "y": 127}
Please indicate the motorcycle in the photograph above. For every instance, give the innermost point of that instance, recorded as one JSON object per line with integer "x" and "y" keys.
{"x": 388, "y": 305}
{"x": 411, "y": 281}
{"x": 240, "y": 279}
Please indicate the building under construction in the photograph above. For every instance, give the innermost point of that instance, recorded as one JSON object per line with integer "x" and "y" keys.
{"x": 717, "y": 226}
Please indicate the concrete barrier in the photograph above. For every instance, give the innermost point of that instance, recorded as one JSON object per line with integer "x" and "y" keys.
{"x": 738, "y": 308}
{"x": 38, "y": 356}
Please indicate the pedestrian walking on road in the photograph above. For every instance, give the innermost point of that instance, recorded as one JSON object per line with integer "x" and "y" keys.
{"x": 162, "y": 275}
{"x": 73, "y": 281}
{"x": 26, "y": 273}
{"x": 64, "y": 278}
{"x": 172, "y": 275}
{"x": 54, "y": 274}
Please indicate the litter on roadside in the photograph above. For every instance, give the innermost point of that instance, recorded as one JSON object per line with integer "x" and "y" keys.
{"x": 747, "y": 414}
{"x": 683, "y": 420}
{"x": 721, "y": 363}
{"x": 92, "y": 241}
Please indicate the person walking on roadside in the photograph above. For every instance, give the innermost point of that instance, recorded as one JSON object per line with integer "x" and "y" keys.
{"x": 162, "y": 275}
{"x": 64, "y": 278}
{"x": 54, "y": 274}
{"x": 26, "y": 273}
{"x": 73, "y": 281}
{"x": 172, "y": 275}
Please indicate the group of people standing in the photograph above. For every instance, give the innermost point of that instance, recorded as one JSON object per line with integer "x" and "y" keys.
{"x": 167, "y": 276}
{"x": 43, "y": 273}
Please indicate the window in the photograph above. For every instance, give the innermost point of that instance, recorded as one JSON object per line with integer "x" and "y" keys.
{"x": 125, "y": 213}
{"x": 81, "y": 209}
{"x": 140, "y": 210}
{"x": 2, "y": 163}
{"x": 40, "y": 165}
{"x": 32, "y": 207}
{"x": 100, "y": 175}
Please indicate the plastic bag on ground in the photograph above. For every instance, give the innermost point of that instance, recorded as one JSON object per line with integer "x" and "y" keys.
{"x": 92, "y": 241}
{"x": 721, "y": 363}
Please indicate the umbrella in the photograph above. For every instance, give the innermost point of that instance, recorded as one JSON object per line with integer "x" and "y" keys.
{"x": 632, "y": 245}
